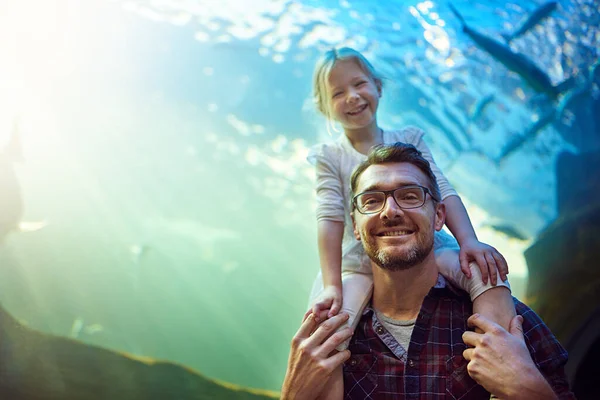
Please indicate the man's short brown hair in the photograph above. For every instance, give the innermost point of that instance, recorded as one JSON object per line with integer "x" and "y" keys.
{"x": 396, "y": 153}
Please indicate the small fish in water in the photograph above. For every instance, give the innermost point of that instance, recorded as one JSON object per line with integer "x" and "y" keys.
{"x": 78, "y": 327}
{"x": 519, "y": 140}
{"x": 508, "y": 230}
{"x": 479, "y": 107}
{"x": 536, "y": 17}
{"x": 551, "y": 116}
{"x": 537, "y": 79}
{"x": 11, "y": 201}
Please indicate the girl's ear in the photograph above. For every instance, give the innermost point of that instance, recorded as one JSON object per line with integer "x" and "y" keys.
{"x": 379, "y": 85}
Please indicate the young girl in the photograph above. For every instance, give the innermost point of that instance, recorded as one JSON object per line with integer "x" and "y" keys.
{"x": 347, "y": 89}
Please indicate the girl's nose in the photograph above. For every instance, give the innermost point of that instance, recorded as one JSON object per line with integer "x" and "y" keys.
{"x": 352, "y": 96}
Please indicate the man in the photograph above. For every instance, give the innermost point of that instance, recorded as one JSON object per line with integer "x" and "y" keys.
{"x": 413, "y": 340}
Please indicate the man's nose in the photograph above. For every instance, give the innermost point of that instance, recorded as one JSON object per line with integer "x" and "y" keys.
{"x": 391, "y": 209}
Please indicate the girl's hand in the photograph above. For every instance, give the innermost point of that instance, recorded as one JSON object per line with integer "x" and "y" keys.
{"x": 331, "y": 300}
{"x": 489, "y": 260}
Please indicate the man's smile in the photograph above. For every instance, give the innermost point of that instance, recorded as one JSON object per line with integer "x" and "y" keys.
{"x": 395, "y": 233}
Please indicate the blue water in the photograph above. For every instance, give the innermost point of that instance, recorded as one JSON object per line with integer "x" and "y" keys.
{"x": 165, "y": 143}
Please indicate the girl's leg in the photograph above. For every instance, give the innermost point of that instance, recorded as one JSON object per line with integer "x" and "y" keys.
{"x": 356, "y": 293}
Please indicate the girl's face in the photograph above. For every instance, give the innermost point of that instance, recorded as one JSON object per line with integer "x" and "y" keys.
{"x": 353, "y": 96}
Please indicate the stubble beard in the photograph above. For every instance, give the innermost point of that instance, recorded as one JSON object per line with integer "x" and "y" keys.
{"x": 403, "y": 261}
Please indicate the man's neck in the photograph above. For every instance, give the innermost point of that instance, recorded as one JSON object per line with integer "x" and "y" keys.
{"x": 399, "y": 294}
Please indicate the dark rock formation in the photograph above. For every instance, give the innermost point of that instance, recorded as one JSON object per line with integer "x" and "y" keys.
{"x": 564, "y": 269}
{"x": 36, "y": 366}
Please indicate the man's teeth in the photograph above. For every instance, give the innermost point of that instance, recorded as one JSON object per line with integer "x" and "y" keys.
{"x": 396, "y": 233}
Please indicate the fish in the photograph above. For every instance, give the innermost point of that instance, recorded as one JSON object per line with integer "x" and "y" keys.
{"x": 581, "y": 91}
{"x": 550, "y": 116}
{"x": 508, "y": 230}
{"x": 78, "y": 327}
{"x": 11, "y": 200}
{"x": 536, "y": 17}
{"x": 480, "y": 106}
{"x": 529, "y": 134}
{"x": 537, "y": 79}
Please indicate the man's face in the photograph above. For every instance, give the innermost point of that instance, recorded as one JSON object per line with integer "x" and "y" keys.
{"x": 397, "y": 239}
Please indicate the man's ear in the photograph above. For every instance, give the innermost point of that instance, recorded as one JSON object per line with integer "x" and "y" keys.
{"x": 356, "y": 233}
{"x": 440, "y": 215}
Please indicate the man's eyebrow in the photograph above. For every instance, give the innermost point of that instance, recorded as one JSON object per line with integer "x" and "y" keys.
{"x": 377, "y": 187}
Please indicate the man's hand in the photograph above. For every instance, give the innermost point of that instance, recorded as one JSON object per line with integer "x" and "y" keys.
{"x": 500, "y": 361}
{"x": 489, "y": 260}
{"x": 311, "y": 363}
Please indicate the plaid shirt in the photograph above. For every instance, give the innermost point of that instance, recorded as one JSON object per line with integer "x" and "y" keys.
{"x": 433, "y": 367}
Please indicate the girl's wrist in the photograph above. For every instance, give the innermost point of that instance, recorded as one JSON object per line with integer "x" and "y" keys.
{"x": 468, "y": 239}
{"x": 337, "y": 285}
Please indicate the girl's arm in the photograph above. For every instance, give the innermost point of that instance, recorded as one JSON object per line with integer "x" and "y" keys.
{"x": 488, "y": 258}
{"x": 330, "y": 217}
{"x": 330, "y": 234}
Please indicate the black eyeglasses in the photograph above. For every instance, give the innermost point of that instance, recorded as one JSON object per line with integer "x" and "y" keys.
{"x": 406, "y": 197}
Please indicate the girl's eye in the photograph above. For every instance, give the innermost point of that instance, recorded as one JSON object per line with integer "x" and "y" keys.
{"x": 361, "y": 83}
{"x": 336, "y": 94}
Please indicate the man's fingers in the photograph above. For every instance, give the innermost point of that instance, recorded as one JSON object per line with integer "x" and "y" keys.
{"x": 327, "y": 328}
{"x": 516, "y": 327}
{"x": 334, "y": 341}
{"x": 468, "y": 354}
{"x": 337, "y": 359}
{"x": 306, "y": 328}
{"x": 493, "y": 269}
{"x": 471, "y": 338}
{"x": 306, "y": 314}
{"x": 481, "y": 322}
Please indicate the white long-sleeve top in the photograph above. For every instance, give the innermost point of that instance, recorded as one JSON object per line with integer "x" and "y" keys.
{"x": 334, "y": 163}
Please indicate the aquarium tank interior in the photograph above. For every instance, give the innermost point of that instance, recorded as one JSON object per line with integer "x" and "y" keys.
{"x": 157, "y": 209}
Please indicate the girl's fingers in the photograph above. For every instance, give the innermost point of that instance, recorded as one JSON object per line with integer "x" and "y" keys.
{"x": 482, "y": 263}
{"x": 492, "y": 268}
{"x": 335, "y": 309}
{"x": 464, "y": 264}
{"x": 502, "y": 265}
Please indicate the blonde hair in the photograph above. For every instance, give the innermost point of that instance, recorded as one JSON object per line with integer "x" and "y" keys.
{"x": 323, "y": 69}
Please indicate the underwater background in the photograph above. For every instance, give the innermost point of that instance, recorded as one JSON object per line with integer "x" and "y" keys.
{"x": 159, "y": 201}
